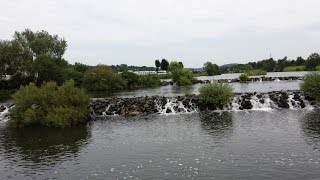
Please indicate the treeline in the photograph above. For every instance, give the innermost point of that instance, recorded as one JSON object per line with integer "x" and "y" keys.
{"x": 312, "y": 63}
{"x": 37, "y": 57}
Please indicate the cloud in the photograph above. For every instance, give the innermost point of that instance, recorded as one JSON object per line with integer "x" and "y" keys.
{"x": 148, "y": 24}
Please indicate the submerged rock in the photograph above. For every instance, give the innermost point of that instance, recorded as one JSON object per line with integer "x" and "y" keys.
{"x": 135, "y": 106}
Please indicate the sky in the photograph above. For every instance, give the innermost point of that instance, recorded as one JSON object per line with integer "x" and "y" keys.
{"x": 137, "y": 32}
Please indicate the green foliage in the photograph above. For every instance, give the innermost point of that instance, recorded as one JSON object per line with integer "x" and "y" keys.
{"x": 150, "y": 80}
{"x": 313, "y": 61}
{"x": 218, "y": 94}
{"x": 131, "y": 78}
{"x": 311, "y": 85}
{"x": 79, "y": 67}
{"x": 103, "y": 78}
{"x": 256, "y": 72}
{"x": 48, "y": 70}
{"x": 49, "y": 105}
{"x": 180, "y": 75}
{"x": 294, "y": 68}
{"x": 158, "y": 64}
{"x": 243, "y": 78}
{"x": 164, "y": 65}
{"x": 318, "y": 68}
{"x": 211, "y": 69}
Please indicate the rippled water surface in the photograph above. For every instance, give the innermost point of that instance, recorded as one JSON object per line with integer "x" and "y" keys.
{"x": 277, "y": 144}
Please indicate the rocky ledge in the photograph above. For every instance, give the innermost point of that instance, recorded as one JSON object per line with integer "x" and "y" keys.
{"x": 251, "y": 79}
{"x": 133, "y": 106}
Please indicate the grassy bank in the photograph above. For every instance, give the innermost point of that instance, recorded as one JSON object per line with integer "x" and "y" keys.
{"x": 256, "y": 72}
{"x": 294, "y": 68}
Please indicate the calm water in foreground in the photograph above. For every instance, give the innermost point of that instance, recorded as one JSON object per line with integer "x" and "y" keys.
{"x": 277, "y": 144}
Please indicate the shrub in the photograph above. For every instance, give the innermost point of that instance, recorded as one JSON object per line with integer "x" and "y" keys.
{"x": 150, "y": 80}
{"x": 180, "y": 75}
{"x": 294, "y": 68}
{"x": 244, "y": 78}
{"x": 216, "y": 93}
{"x": 103, "y": 78}
{"x": 256, "y": 72}
{"x": 131, "y": 79}
{"x": 318, "y": 68}
{"x": 311, "y": 85}
{"x": 49, "y": 105}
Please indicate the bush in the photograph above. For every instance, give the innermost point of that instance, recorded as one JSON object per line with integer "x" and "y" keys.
{"x": 216, "y": 93}
{"x": 294, "y": 68}
{"x": 256, "y": 72}
{"x": 311, "y": 85}
{"x": 150, "y": 80}
{"x": 49, "y": 105}
{"x": 243, "y": 78}
{"x": 318, "y": 68}
{"x": 180, "y": 75}
{"x": 131, "y": 79}
{"x": 103, "y": 78}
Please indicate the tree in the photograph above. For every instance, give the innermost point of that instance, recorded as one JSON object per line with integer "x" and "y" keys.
{"x": 180, "y": 75}
{"x": 164, "y": 64}
{"x": 131, "y": 78}
{"x": 311, "y": 85}
{"x": 181, "y": 64}
{"x": 103, "y": 78}
{"x": 211, "y": 69}
{"x": 49, "y": 105}
{"x": 313, "y": 61}
{"x": 40, "y": 44}
{"x": 158, "y": 64}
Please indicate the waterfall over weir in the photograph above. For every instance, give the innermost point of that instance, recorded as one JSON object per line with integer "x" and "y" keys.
{"x": 193, "y": 104}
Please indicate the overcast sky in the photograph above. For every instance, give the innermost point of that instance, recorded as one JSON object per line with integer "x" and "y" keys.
{"x": 136, "y": 32}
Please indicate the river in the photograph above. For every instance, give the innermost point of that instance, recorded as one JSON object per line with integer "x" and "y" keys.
{"x": 251, "y": 144}
{"x": 277, "y": 144}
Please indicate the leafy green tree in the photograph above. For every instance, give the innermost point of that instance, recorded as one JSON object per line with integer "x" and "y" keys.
{"x": 313, "y": 61}
{"x": 181, "y": 64}
{"x": 164, "y": 65}
{"x": 311, "y": 85}
{"x": 37, "y": 46}
{"x": 48, "y": 70}
{"x": 211, "y": 69}
{"x": 132, "y": 79}
{"x": 158, "y": 64}
{"x": 150, "y": 80}
{"x": 80, "y": 67}
{"x": 103, "y": 78}
{"x": 49, "y": 105}
{"x": 180, "y": 75}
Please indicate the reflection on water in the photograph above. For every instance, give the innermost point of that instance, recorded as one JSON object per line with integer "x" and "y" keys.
{"x": 230, "y": 145}
{"x": 42, "y": 146}
{"x": 219, "y": 125}
{"x": 310, "y": 125}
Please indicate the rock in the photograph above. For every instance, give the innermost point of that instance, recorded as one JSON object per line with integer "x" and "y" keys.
{"x": 246, "y": 104}
{"x": 2, "y": 108}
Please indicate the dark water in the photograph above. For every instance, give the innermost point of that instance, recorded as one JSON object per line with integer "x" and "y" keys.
{"x": 277, "y": 144}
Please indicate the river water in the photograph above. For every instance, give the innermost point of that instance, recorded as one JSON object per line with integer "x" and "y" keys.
{"x": 276, "y": 144}
{"x": 265, "y": 86}
{"x": 254, "y": 144}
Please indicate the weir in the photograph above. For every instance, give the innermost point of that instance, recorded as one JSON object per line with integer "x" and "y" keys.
{"x": 193, "y": 104}
{"x": 134, "y": 106}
